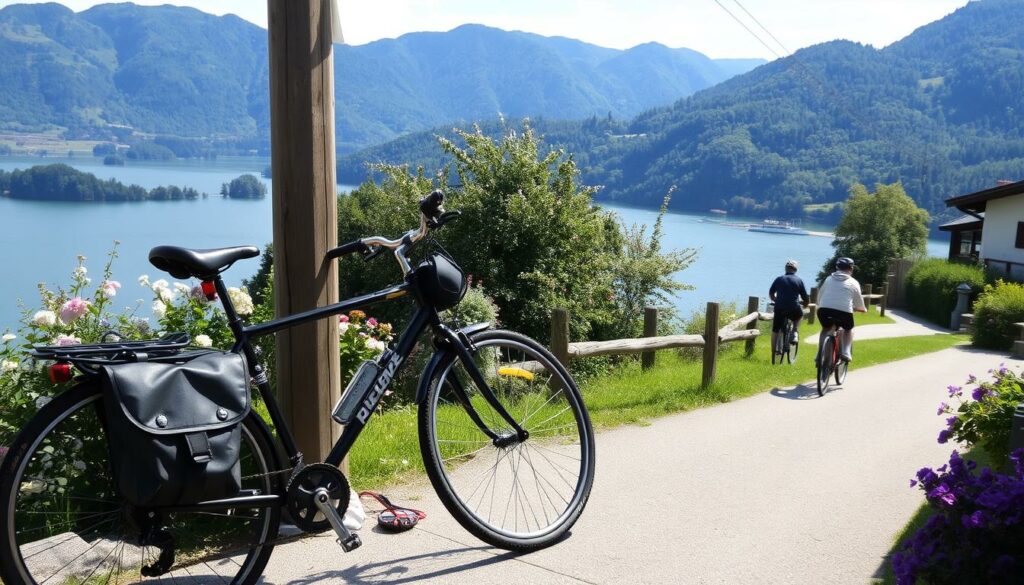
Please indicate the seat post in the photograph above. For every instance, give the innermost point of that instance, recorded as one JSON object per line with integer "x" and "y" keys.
{"x": 234, "y": 322}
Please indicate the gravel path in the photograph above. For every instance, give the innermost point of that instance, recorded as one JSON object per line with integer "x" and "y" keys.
{"x": 782, "y": 487}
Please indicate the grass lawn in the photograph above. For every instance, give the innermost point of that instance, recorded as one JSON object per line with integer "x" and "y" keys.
{"x": 388, "y": 449}
{"x": 870, "y": 318}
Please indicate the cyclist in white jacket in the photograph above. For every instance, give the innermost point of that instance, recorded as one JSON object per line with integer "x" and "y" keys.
{"x": 839, "y": 296}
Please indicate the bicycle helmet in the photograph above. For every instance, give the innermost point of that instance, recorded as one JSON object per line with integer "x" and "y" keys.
{"x": 844, "y": 263}
{"x": 792, "y": 264}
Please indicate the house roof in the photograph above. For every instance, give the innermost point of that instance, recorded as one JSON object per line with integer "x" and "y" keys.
{"x": 975, "y": 202}
{"x": 963, "y": 223}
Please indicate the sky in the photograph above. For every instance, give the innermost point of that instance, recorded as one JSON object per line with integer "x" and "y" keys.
{"x": 703, "y": 25}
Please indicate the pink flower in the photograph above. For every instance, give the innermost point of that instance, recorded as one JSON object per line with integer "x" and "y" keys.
{"x": 110, "y": 288}
{"x": 73, "y": 309}
{"x": 67, "y": 340}
{"x": 371, "y": 322}
{"x": 342, "y": 318}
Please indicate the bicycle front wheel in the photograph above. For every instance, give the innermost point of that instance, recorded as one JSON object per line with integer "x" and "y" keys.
{"x": 514, "y": 494}
{"x": 64, "y": 522}
{"x": 841, "y": 368}
{"x": 826, "y": 361}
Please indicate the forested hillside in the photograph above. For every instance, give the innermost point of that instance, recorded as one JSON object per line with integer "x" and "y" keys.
{"x": 114, "y": 68}
{"x": 940, "y": 111}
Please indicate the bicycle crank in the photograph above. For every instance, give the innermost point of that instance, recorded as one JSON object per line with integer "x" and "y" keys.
{"x": 318, "y": 496}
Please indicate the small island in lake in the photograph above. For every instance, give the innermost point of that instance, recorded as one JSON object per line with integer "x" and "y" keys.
{"x": 60, "y": 182}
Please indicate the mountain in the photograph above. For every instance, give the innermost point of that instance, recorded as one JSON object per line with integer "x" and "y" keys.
{"x": 941, "y": 110}
{"x": 181, "y": 72}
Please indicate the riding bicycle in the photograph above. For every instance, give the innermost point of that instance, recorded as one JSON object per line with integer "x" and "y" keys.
{"x": 838, "y": 298}
{"x": 505, "y": 438}
{"x": 830, "y": 360}
{"x": 789, "y": 296}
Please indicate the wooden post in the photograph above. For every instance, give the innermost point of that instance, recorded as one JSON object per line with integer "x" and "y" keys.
{"x": 883, "y": 302}
{"x": 710, "y": 345}
{"x": 560, "y": 335}
{"x": 814, "y": 306}
{"x": 650, "y": 330}
{"x": 753, "y": 304}
{"x": 305, "y": 216}
{"x": 868, "y": 289}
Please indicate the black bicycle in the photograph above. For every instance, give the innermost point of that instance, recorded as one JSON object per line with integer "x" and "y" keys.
{"x": 783, "y": 345}
{"x": 505, "y": 438}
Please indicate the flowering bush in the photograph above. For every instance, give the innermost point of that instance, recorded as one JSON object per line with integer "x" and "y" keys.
{"x": 359, "y": 339}
{"x": 985, "y": 418}
{"x": 976, "y": 534}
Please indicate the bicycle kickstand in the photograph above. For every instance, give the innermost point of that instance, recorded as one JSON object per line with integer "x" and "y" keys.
{"x": 348, "y": 541}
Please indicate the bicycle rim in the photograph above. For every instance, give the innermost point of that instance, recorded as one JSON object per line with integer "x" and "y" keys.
{"x": 825, "y": 363}
{"x": 841, "y": 370}
{"x": 66, "y": 523}
{"x": 523, "y": 495}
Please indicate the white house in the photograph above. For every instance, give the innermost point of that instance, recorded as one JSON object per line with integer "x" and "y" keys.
{"x": 993, "y": 229}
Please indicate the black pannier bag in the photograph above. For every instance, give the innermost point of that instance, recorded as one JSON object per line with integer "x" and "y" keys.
{"x": 442, "y": 282}
{"x": 175, "y": 427}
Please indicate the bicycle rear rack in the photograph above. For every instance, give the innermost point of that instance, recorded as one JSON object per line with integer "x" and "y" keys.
{"x": 85, "y": 357}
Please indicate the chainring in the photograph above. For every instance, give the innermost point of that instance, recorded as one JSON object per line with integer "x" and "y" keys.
{"x": 301, "y": 507}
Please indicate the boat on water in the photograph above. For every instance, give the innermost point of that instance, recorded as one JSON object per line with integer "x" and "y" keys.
{"x": 772, "y": 226}
{"x": 717, "y": 212}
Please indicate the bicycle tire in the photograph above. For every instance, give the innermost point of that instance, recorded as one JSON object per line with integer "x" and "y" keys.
{"x": 825, "y": 364}
{"x": 841, "y": 369}
{"x": 531, "y": 385}
{"x": 19, "y": 541}
{"x": 786, "y": 341}
{"x": 794, "y": 349}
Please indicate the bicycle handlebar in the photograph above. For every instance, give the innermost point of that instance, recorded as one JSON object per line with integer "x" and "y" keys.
{"x": 432, "y": 215}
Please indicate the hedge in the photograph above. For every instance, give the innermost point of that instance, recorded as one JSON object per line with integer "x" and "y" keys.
{"x": 931, "y": 287}
{"x": 997, "y": 309}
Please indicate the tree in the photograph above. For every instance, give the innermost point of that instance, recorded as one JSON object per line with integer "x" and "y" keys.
{"x": 877, "y": 227}
{"x": 244, "y": 187}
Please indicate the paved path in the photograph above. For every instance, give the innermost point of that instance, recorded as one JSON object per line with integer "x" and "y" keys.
{"x": 905, "y": 325}
{"x": 782, "y": 487}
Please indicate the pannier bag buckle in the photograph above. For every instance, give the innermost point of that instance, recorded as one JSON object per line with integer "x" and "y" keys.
{"x": 199, "y": 447}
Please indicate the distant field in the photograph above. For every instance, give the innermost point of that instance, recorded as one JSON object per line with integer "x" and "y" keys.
{"x": 45, "y": 144}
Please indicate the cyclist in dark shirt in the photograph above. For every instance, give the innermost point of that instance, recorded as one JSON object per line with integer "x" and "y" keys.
{"x": 790, "y": 297}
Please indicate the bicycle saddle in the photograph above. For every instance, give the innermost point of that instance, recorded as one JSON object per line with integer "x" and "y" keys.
{"x": 201, "y": 264}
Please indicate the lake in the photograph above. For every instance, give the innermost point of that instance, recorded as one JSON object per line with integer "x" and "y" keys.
{"x": 39, "y": 241}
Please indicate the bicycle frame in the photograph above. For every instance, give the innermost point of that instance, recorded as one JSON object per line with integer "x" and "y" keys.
{"x": 425, "y": 317}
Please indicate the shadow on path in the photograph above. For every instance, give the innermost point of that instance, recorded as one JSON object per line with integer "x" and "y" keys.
{"x": 798, "y": 392}
{"x": 402, "y": 570}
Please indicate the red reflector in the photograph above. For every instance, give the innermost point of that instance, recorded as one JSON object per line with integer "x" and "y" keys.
{"x": 209, "y": 290}
{"x": 60, "y": 373}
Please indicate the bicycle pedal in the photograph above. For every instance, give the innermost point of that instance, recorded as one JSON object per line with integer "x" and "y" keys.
{"x": 352, "y": 543}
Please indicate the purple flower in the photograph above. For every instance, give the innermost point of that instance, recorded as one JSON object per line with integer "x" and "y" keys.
{"x": 943, "y": 494}
{"x": 944, "y": 436}
{"x": 913, "y": 482}
{"x": 950, "y": 422}
{"x": 972, "y": 379}
{"x": 979, "y": 393}
{"x": 955, "y": 390}
{"x": 943, "y": 407}
{"x": 975, "y": 520}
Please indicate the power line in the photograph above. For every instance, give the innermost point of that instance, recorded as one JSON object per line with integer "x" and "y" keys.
{"x": 758, "y": 22}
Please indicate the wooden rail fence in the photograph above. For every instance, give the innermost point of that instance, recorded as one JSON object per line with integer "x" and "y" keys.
{"x": 740, "y": 329}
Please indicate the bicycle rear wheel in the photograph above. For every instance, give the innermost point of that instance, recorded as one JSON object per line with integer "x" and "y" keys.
{"x": 794, "y": 348}
{"x": 513, "y": 494}
{"x": 64, "y": 522}
{"x": 826, "y": 362}
{"x": 786, "y": 343}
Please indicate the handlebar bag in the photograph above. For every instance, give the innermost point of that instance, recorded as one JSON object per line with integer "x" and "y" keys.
{"x": 442, "y": 283}
{"x": 174, "y": 428}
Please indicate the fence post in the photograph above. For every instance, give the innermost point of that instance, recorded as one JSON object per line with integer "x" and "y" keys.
{"x": 753, "y": 304}
{"x": 868, "y": 289}
{"x": 710, "y": 345}
{"x": 814, "y": 306}
{"x": 650, "y": 330}
{"x": 883, "y": 303}
{"x": 560, "y": 335}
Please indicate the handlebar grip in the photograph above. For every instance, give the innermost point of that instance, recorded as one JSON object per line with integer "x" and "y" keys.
{"x": 354, "y": 246}
{"x": 431, "y": 204}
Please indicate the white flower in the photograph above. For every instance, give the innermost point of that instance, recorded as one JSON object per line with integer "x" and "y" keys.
{"x": 8, "y": 365}
{"x": 42, "y": 401}
{"x": 36, "y": 486}
{"x": 8, "y": 337}
{"x": 80, "y": 271}
{"x": 375, "y": 344}
{"x": 110, "y": 288}
{"x": 203, "y": 341}
{"x": 241, "y": 300}
{"x": 45, "y": 318}
{"x": 159, "y": 309}
{"x": 66, "y": 340}
{"x": 342, "y": 328}
{"x": 182, "y": 289}
{"x": 163, "y": 290}
{"x": 144, "y": 280}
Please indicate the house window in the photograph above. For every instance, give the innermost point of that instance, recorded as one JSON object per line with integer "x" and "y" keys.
{"x": 1020, "y": 234}
{"x": 970, "y": 243}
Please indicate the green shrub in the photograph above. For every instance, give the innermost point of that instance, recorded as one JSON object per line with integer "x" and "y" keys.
{"x": 997, "y": 309}
{"x": 931, "y": 287}
{"x": 986, "y": 419}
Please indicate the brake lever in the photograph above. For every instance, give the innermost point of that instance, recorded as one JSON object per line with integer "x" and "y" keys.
{"x": 372, "y": 252}
{"x": 443, "y": 219}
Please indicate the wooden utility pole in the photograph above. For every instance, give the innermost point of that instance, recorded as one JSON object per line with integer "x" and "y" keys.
{"x": 305, "y": 215}
{"x": 650, "y": 330}
{"x": 753, "y": 304}
{"x": 710, "y": 369}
